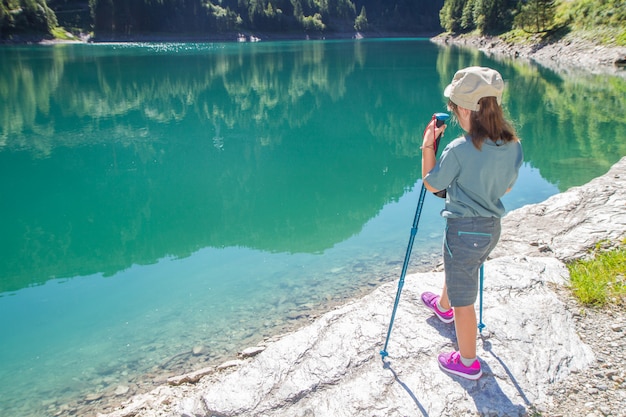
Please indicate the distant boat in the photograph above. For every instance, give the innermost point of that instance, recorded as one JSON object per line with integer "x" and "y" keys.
{"x": 241, "y": 37}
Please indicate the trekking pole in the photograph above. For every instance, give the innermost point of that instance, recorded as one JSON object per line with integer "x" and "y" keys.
{"x": 481, "y": 325}
{"x": 440, "y": 119}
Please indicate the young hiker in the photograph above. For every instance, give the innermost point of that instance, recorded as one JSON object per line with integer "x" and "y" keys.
{"x": 476, "y": 170}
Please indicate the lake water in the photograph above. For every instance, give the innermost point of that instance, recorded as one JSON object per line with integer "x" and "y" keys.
{"x": 157, "y": 198}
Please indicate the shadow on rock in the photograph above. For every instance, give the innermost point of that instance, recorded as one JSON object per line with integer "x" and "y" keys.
{"x": 487, "y": 347}
{"x": 387, "y": 365}
{"x": 487, "y": 394}
{"x": 445, "y": 329}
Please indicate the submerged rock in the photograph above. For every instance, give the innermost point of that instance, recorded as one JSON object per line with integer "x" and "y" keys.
{"x": 94, "y": 396}
{"x": 199, "y": 350}
{"x": 121, "y": 390}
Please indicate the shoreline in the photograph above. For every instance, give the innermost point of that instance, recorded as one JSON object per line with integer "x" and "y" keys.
{"x": 565, "y": 56}
{"x": 234, "y": 36}
{"x": 190, "y": 366}
{"x": 570, "y": 54}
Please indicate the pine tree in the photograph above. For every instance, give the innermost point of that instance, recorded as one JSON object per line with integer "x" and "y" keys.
{"x": 536, "y": 16}
{"x": 467, "y": 17}
{"x": 360, "y": 23}
{"x": 451, "y": 15}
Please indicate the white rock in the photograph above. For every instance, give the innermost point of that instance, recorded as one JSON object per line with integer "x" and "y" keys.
{"x": 230, "y": 364}
{"x": 251, "y": 351}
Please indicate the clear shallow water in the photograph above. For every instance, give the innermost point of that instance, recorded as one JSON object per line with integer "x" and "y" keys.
{"x": 160, "y": 197}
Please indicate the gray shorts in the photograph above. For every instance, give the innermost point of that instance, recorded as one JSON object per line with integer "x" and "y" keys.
{"x": 467, "y": 243}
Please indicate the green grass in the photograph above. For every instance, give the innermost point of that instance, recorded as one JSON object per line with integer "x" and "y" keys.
{"x": 602, "y": 35}
{"x": 605, "y": 36}
{"x": 62, "y": 34}
{"x": 600, "y": 281}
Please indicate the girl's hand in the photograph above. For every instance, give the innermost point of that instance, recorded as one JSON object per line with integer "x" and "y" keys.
{"x": 431, "y": 133}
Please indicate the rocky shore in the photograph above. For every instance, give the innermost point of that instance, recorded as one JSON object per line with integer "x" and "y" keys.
{"x": 567, "y": 55}
{"x": 543, "y": 354}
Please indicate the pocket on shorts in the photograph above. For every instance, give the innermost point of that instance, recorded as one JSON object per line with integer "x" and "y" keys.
{"x": 468, "y": 246}
{"x": 475, "y": 241}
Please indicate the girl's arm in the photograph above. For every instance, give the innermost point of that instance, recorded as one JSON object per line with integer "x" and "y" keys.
{"x": 429, "y": 158}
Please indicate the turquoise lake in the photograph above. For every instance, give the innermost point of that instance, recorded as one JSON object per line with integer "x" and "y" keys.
{"x": 156, "y": 198}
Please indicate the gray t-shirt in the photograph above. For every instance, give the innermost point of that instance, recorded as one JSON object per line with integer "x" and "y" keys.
{"x": 475, "y": 180}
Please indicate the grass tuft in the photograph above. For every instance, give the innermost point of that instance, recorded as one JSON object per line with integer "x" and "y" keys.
{"x": 600, "y": 281}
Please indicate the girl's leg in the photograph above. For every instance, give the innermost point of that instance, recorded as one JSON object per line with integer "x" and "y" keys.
{"x": 444, "y": 302}
{"x": 465, "y": 325}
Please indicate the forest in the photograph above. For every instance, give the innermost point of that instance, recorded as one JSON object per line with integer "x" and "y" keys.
{"x": 196, "y": 17}
{"x": 200, "y": 18}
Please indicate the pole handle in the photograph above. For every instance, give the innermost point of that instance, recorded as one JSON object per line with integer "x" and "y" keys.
{"x": 440, "y": 120}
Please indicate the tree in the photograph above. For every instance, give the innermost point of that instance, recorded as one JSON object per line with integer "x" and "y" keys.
{"x": 493, "y": 16}
{"x": 342, "y": 8}
{"x": 255, "y": 10}
{"x": 224, "y": 19}
{"x": 487, "y": 16}
{"x": 360, "y": 23}
{"x": 102, "y": 12}
{"x": 26, "y": 16}
{"x": 467, "y": 17}
{"x": 535, "y": 16}
{"x": 451, "y": 15}
{"x": 313, "y": 23}
{"x": 298, "y": 13}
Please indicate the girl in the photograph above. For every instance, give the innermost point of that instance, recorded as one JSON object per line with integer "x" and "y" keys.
{"x": 476, "y": 170}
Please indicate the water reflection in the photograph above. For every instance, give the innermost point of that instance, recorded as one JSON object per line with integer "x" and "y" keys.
{"x": 125, "y": 154}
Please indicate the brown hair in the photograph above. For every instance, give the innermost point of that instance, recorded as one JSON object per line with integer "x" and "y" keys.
{"x": 488, "y": 123}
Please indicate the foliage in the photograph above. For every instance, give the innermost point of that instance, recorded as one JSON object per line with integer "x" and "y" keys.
{"x": 72, "y": 15}
{"x": 486, "y": 16}
{"x": 313, "y": 23}
{"x": 602, "y": 21}
{"x": 26, "y": 16}
{"x": 536, "y": 16}
{"x": 127, "y": 17}
{"x": 585, "y": 14}
{"x": 360, "y": 23}
{"x": 136, "y": 17}
{"x": 451, "y": 16}
{"x": 601, "y": 280}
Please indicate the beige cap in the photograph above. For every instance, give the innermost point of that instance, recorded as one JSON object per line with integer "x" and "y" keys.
{"x": 473, "y": 83}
